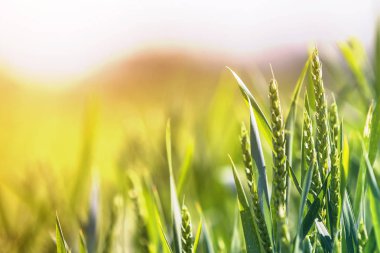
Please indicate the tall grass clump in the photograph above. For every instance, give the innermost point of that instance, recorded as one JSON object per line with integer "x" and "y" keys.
{"x": 327, "y": 222}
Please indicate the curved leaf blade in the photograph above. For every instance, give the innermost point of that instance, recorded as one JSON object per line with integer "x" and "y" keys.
{"x": 262, "y": 121}
{"x": 305, "y": 192}
{"x": 60, "y": 239}
{"x": 258, "y": 157}
{"x": 175, "y": 210}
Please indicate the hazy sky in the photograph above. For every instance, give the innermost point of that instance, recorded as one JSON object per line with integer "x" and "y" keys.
{"x": 64, "y": 39}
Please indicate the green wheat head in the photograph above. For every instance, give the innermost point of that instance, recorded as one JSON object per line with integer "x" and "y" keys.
{"x": 186, "y": 231}
{"x": 335, "y": 167}
{"x": 259, "y": 216}
{"x": 141, "y": 234}
{"x": 310, "y": 155}
{"x": 322, "y": 137}
{"x": 279, "y": 165}
{"x": 334, "y": 123}
{"x": 247, "y": 158}
{"x": 362, "y": 236}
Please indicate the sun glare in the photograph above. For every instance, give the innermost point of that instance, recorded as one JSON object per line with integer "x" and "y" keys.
{"x": 57, "y": 41}
{"x": 50, "y": 41}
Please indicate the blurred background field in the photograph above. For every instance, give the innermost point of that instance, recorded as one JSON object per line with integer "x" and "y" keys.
{"x": 80, "y": 113}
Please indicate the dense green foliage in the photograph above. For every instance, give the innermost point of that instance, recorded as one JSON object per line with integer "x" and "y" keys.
{"x": 324, "y": 194}
{"x": 284, "y": 161}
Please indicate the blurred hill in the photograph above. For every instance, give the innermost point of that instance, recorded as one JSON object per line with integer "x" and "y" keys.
{"x": 40, "y": 123}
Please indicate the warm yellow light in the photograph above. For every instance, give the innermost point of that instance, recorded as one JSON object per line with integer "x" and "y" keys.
{"x": 58, "y": 41}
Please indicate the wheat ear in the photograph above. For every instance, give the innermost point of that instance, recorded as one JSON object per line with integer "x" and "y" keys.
{"x": 259, "y": 217}
{"x": 279, "y": 165}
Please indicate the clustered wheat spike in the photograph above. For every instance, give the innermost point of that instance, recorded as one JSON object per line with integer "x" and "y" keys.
{"x": 259, "y": 216}
{"x": 260, "y": 222}
{"x": 322, "y": 137}
{"x": 335, "y": 167}
{"x": 142, "y": 235}
{"x": 335, "y": 188}
{"x": 279, "y": 164}
{"x": 186, "y": 231}
{"x": 247, "y": 158}
{"x": 310, "y": 155}
{"x": 362, "y": 236}
{"x": 334, "y": 123}
{"x": 322, "y": 133}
